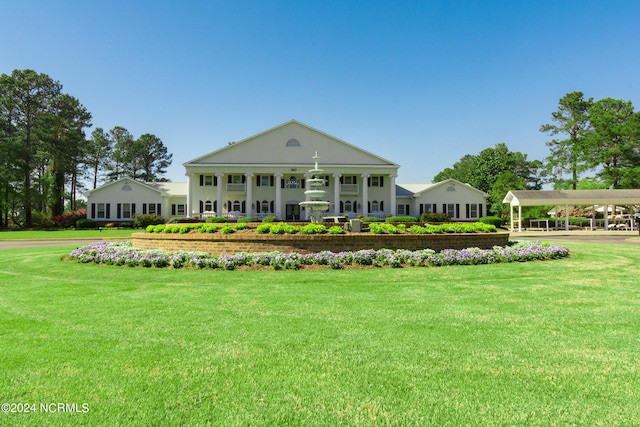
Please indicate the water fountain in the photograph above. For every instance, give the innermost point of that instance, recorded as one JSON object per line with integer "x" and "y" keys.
{"x": 315, "y": 205}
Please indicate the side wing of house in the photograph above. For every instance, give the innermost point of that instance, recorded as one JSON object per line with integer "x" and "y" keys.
{"x": 120, "y": 200}
{"x": 457, "y": 200}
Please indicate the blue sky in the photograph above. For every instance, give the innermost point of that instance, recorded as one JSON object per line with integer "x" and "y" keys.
{"x": 420, "y": 83}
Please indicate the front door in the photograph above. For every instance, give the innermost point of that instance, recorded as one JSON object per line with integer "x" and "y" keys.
{"x": 293, "y": 212}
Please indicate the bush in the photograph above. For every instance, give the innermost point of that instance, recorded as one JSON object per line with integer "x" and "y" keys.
{"x": 313, "y": 229}
{"x": 69, "y": 218}
{"x": 42, "y": 220}
{"x": 370, "y": 219}
{"x": 144, "y": 220}
{"x": 248, "y": 219}
{"x": 401, "y": 218}
{"x": 86, "y": 224}
{"x": 216, "y": 219}
{"x": 270, "y": 218}
{"x": 336, "y": 229}
{"x": 434, "y": 217}
{"x": 496, "y": 221}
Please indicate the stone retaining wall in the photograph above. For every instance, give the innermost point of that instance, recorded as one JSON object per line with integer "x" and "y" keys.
{"x": 217, "y": 243}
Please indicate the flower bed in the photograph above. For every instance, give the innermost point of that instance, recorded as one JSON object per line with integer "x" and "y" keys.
{"x": 124, "y": 254}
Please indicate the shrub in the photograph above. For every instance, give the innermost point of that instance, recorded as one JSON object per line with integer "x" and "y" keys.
{"x": 69, "y": 218}
{"x": 270, "y": 218}
{"x": 401, "y": 218}
{"x": 496, "y": 221}
{"x": 86, "y": 224}
{"x": 370, "y": 219}
{"x": 263, "y": 228}
{"x": 143, "y": 220}
{"x": 248, "y": 219}
{"x": 227, "y": 229}
{"x": 216, "y": 219}
{"x": 336, "y": 229}
{"x": 434, "y": 217}
{"x": 313, "y": 229}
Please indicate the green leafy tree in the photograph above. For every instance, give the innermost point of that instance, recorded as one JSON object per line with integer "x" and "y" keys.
{"x": 123, "y": 154}
{"x": 99, "y": 150}
{"x": 26, "y": 95}
{"x": 614, "y": 142}
{"x": 569, "y": 155}
{"x": 153, "y": 158}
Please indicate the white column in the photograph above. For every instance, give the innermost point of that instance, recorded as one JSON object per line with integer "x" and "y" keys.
{"x": 278, "y": 206}
{"x": 606, "y": 217}
{"x": 249, "y": 183}
{"x": 393, "y": 195}
{"x": 189, "y": 195}
{"x": 365, "y": 194}
{"x": 511, "y": 217}
{"x": 219, "y": 177}
{"x": 336, "y": 193}
{"x": 519, "y": 218}
{"x": 307, "y": 186}
{"x": 566, "y": 217}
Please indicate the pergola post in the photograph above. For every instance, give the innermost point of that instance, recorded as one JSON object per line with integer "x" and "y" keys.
{"x": 566, "y": 217}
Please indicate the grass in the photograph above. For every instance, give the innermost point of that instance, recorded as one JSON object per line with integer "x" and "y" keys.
{"x": 540, "y": 343}
{"x": 66, "y": 234}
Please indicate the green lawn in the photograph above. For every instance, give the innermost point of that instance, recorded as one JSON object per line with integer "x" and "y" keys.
{"x": 65, "y": 234}
{"x": 540, "y": 343}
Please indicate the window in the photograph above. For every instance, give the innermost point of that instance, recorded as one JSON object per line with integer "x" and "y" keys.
{"x": 126, "y": 210}
{"x": 101, "y": 210}
{"x": 376, "y": 181}
{"x": 451, "y": 210}
{"x": 375, "y": 206}
{"x": 349, "y": 179}
{"x": 236, "y": 179}
{"x": 208, "y": 206}
{"x": 151, "y": 208}
{"x": 264, "y": 206}
{"x": 292, "y": 182}
{"x": 473, "y": 210}
{"x": 293, "y": 143}
{"x": 426, "y": 208}
{"x": 401, "y": 210}
{"x": 208, "y": 180}
{"x": 126, "y": 187}
{"x": 348, "y": 207}
{"x": 451, "y": 188}
{"x": 236, "y": 205}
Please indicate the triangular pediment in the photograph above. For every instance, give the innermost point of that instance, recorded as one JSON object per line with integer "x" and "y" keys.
{"x": 291, "y": 144}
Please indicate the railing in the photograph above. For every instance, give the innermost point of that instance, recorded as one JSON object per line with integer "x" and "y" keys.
{"x": 348, "y": 188}
{"x": 236, "y": 188}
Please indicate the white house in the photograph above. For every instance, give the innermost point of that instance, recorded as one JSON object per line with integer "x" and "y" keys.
{"x": 120, "y": 200}
{"x": 267, "y": 174}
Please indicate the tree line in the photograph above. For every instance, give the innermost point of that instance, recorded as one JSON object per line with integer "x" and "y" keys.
{"x": 46, "y": 158}
{"x": 596, "y": 144}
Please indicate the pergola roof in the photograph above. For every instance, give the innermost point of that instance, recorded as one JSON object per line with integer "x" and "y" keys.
{"x": 572, "y": 197}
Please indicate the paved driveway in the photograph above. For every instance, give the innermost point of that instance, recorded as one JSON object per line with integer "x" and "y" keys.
{"x": 37, "y": 243}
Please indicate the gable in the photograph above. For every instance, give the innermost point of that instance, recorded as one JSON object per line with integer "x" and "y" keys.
{"x": 124, "y": 186}
{"x": 289, "y": 144}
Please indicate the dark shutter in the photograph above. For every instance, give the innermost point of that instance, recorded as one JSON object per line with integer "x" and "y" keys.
{"x": 480, "y": 210}
{"x": 244, "y": 179}
{"x": 228, "y": 179}
{"x": 215, "y": 180}
{"x": 355, "y": 180}
{"x": 108, "y": 210}
{"x": 144, "y": 208}
{"x": 434, "y": 208}
{"x": 118, "y": 210}
{"x": 457, "y": 210}
{"x": 421, "y": 208}
{"x": 271, "y": 204}
{"x": 201, "y": 180}
{"x": 369, "y": 207}
{"x": 159, "y": 209}
{"x": 271, "y": 178}
{"x": 133, "y": 208}
{"x": 215, "y": 207}
{"x": 243, "y": 209}
{"x": 382, "y": 181}
{"x": 341, "y": 207}
{"x": 382, "y": 206}
{"x": 201, "y": 206}
{"x": 258, "y": 206}
{"x": 229, "y": 205}
{"x": 304, "y": 185}
{"x": 341, "y": 180}
{"x": 444, "y": 208}
{"x": 93, "y": 210}
{"x": 173, "y": 210}
{"x": 468, "y": 210}
{"x": 258, "y": 181}
{"x": 281, "y": 183}
{"x": 369, "y": 182}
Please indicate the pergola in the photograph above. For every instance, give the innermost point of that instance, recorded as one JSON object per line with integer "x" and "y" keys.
{"x": 568, "y": 198}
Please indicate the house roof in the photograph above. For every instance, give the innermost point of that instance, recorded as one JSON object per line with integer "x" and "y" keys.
{"x": 164, "y": 188}
{"x": 418, "y": 189}
{"x": 571, "y": 197}
{"x": 272, "y": 155}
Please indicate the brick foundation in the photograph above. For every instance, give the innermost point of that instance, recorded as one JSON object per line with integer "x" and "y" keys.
{"x": 217, "y": 243}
